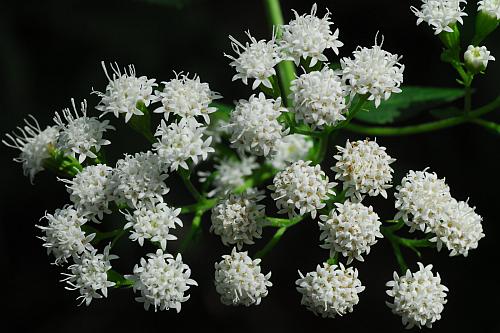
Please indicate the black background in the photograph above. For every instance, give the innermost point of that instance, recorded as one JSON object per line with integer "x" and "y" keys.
{"x": 51, "y": 51}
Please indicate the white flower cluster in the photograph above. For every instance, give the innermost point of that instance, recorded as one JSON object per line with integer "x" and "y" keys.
{"x": 89, "y": 275}
{"x": 153, "y": 221}
{"x": 180, "y": 142}
{"x": 139, "y": 178}
{"x": 350, "y": 229}
{"x": 330, "y": 290}
{"x": 424, "y": 202}
{"x": 364, "y": 168}
{"x": 440, "y": 14}
{"x": 34, "y": 145}
{"x": 319, "y": 98}
{"x": 301, "y": 186}
{"x": 186, "y": 97}
{"x": 373, "y": 72}
{"x": 308, "y": 36}
{"x": 290, "y": 149}
{"x": 124, "y": 92}
{"x": 477, "y": 57}
{"x": 229, "y": 174}
{"x": 490, "y": 7}
{"x": 255, "y": 60}
{"x": 419, "y": 297}
{"x": 91, "y": 190}
{"x": 64, "y": 237}
{"x": 238, "y": 218}
{"x": 254, "y": 125}
{"x": 239, "y": 281}
{"x": 162, "y": 281}
{"x": 80, "y": 134}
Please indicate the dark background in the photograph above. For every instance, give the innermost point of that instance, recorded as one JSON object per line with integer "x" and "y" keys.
{"x": 51, "y": 51}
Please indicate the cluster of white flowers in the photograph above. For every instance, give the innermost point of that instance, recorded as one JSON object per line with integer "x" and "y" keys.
{"x": 238, "y": 218}
{"x": 229, "y": 174}
{"x": 490, "y": 7}
{"x": 140, "y": 177}
{"x": 89, "y": 275}
{"x": 308, "y": 36}
{"x": 153, "y": 221}
{"x": 34, "y": 144}
{"x": 91, "y": 190}
{"x": 364, "y": 168}
{"x": 124, "y": 92}
{"x": 162, "y": 281}
{"x": 301, "y": 186}
{"x": 81, "y": 135}
{"x": 254, "y": 125}
{"x": 319, "y": 98}
{"x": 291, "y": 148}
{"x": 477, "y": 57}
{"x": 255, "y": 60}
{"x": 419, "y": 297}
{"x": 186, "y": 97}
{"x": 440, "y": 14}
{"x": 239, "y": 281}
{"x": 64, "y": 237}
{"x": 373, "y": 72}
{"x": 182, "y": 141}
{"x": 330, "y": 290}
{"x": 350, "y": 229}
{"x": 424, "y": 202}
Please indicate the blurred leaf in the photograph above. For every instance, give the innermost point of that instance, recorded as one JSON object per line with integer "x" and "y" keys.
{"x": 446, "y": 112}
{"x": 409, "y": 103}
{"x": 223, "y": 111}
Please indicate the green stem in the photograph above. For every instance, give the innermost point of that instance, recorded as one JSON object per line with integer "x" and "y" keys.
{"x": 185, "y": 176}
{"x": 333, "y": 260}
{"x": 193, "y": 231}
{"x": 286, "y": 69}
{"x": 203, "y": 206}
{"x": 280, "y": 222}
{"x": 487, "y": 124}
{"x": 324, "y": 140}
{"x": 467, "y": 100}
{"x": 272, "y": 243}
{"x": 306, "y": 132}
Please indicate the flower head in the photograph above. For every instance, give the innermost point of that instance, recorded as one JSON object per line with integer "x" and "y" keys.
{"x": 490, "y": 7}
{"x": 254, "y": 125}
{"x": 290, "y": 149}
{"x": 461, "y": 229}
{"x": 373, "y": 72}
{"x": 301, "y": 186}
{"x": 64, "y": 237}
{"x": 34, "y": 144}
{"x": 238, "y": 218}
{"x": 330, "y": 290}
{"x": 81, "y": 135}
{"x": 319, "y": 98}
{"x": 422, "y": 200}
{"x": 440, "y": 14}
{"x": 477, "y": 57}
{"x": 350, "y": 229}
{"x": 153, "y": 221}
{"x": 255, "y": 60}
{"x": 419, "y": 297}
{"x": 309, "y": 36}
{"x": 89, "y": 275}
{"x": 229, "y": 174}
{"x": 239, "y": 281}
{"x": 364, "y": 168}
{"x": 91, "y": 190}
{"x": 140, "y": 177}
{"x": 162, "y": 281}
{"x": 182, "y": 141}
{"x": 124, "y": 92}
{"x": 186, "y": 97}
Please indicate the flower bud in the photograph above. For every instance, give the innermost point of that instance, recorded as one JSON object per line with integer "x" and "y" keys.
{"x": 476, "y": 58}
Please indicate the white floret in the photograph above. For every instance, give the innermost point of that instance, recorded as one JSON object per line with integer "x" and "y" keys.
{"x": 350, "y": 229}
{"x": 440, "y": 14}
{"x": 331, "y": 290}
{"x": 239, "y": 281}
{"x": 301, "y": 186}
{"x": 490, "y": 7}
{"x": 419, "y": 297}
{"x": 290, "y": 149}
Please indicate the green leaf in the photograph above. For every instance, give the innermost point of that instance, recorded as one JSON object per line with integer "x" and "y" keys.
{"x": 119, "y": 279}
{"x": 223, "y": 111}
{"x": 142, "y": 124}
{"x": 446, "y": 112}
{"x": 409, "y": 103}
